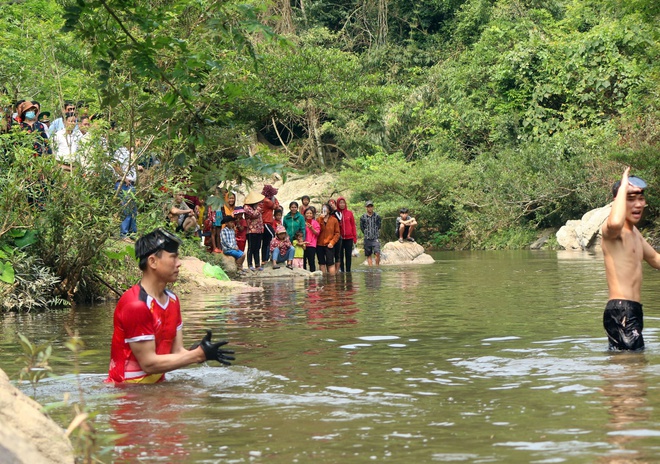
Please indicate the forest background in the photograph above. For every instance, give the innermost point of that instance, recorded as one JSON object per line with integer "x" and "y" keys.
{"x": 490, "y": 119}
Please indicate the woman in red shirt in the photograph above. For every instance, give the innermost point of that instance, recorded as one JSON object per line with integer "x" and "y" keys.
{"x": 348, "y": 235}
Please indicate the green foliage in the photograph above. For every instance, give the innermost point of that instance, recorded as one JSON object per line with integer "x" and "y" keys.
{"x": 431, "y": 188}
{"x": 35, "y": 360}
{"x": 487, "y": 118}
{"x": 33, "y": 285}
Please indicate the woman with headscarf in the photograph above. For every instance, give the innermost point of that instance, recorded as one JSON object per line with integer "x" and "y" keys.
{"x": 348, "y": 235}
{"x": 228, "y": 208}
{"x": 268, "y": 205}
{"x": 255, "y": 228}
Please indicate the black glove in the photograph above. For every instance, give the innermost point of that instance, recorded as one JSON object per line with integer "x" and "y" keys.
{"x": 213, "y": 351}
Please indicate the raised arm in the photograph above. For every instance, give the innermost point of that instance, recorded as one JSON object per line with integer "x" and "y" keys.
{"x": 617, "y": 218}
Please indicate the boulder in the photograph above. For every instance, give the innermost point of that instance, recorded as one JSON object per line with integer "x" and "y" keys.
{"x": 192, "y": 280}
{"x": 26, "y": 434}
{"x": 584, "y": 234}
{"x": 229, "y": 264}
{"x": 397, "y": 253}
{"x": 283, "y": 271}
{"x": 567, "y": 236}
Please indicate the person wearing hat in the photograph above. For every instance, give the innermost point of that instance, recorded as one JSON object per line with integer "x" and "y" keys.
{"x": 44, "y": 118}
{"x": 281, "y": 248}
{"x": 147, "y": 340}
{"x": 228, "y": 241}
{"x": 624, "y": 248}
{"x": 255, "y": 228}
{"x": 370, "y": 223}
{"x": 27, "y": 117}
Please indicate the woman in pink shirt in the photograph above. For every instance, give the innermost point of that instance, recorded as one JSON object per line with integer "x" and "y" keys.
{"x": 312, "y": 232}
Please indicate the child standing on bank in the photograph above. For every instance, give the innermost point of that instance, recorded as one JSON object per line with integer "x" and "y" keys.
{"x": 299, "y": 246}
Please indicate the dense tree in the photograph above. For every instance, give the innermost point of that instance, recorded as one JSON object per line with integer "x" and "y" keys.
{"x": 491, "y": 117}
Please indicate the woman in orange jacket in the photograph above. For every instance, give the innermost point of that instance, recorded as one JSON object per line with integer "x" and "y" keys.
{"x": 327, "y": 239}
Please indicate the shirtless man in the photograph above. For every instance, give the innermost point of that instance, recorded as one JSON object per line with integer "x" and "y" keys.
{"x": 624, "y": 248}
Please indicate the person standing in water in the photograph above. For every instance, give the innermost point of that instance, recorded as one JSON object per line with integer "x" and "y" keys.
{"x": 624, "y": 248}
{"x": 148, "y": 340}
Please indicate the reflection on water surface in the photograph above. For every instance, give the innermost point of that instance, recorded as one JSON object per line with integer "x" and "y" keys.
{"x": 481, "y": 357}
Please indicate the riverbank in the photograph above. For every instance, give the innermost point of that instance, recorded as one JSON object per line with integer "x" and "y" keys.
{"x": 27, "y": 436}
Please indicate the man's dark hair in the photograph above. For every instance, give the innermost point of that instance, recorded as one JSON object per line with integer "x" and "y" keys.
{"x": 403, "y": 210}
{"x": 632, "y": 180}
{"x": 293, "y": 203}
{"x": 142, "y": 264}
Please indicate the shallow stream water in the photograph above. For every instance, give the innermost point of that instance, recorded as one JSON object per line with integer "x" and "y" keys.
{"x": 481, "y": 357}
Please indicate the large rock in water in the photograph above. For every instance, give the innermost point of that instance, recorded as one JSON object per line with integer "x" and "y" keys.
{"x": 27, "y": 436}
{"x": 584, "y": 234}
{"x": 396, "y": 253}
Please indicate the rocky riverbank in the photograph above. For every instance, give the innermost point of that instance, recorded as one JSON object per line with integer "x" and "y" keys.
{"x": 27, "y": 436}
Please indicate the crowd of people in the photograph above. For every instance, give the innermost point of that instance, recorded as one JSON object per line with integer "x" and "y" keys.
{"x": 60, "y": 137}
{"x": 307, "y": 236}
{"x": 69, "y": 140}
{"x": 261, "y": 231}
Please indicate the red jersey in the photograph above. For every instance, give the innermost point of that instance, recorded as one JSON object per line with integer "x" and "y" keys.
{"x": 140, "y": 317}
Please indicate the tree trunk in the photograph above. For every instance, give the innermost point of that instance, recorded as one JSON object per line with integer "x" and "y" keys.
{"x": 314, "y": 133}
{"x": 381, "y": 36}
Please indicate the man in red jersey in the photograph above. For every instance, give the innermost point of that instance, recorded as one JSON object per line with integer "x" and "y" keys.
{"x": 147, "y": 339}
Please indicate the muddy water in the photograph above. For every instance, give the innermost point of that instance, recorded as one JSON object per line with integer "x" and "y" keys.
{"x": 481, "y": 357}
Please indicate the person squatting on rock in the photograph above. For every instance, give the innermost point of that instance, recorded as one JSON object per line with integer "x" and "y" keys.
{"x": 370, "y": 224}
{"x": 281, "y": 249}
{"x": 624, "y": 248}
{"x": 405, "y": 225}
{"x": 147, "y": 340}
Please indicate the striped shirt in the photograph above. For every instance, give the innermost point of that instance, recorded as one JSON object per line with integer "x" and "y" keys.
{"x": 370, "y": 226}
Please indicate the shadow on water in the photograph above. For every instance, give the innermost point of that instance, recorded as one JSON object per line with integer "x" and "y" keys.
{"x": 481, "y": 357}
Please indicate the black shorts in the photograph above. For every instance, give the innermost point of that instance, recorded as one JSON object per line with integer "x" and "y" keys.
{"x": 325, "y": 255}
{"x": 623, "y": 321}
{"x": 337, "y": 250}
{"x": 371, "y": 247}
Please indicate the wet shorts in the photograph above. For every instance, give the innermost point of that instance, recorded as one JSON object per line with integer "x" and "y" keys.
{"x": 371, "y": 247}
{"x": 325, "y": 255}
{"x": 623, "y": 321}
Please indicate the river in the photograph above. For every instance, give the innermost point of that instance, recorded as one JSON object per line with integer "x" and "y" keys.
{"x": 481, "y": 357}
